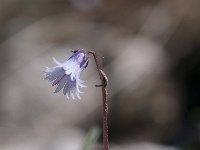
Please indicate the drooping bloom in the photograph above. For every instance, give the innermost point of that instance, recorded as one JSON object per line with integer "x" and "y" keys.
{"x": 66, "y": 75}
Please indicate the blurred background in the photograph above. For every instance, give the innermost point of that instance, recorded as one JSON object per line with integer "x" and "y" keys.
{"x": 149, "y": 50}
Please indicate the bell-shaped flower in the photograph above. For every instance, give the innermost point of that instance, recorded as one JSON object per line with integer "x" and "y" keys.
{"x": 66, "y": 75}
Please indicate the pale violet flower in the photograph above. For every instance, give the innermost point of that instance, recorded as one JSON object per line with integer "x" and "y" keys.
{"x": 66, "y": 75}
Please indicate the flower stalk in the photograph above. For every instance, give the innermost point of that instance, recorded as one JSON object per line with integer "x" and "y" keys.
{"x": 103, "y": 85}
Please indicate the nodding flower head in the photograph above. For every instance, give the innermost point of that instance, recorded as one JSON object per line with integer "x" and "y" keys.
{"x": 66, "y": 75}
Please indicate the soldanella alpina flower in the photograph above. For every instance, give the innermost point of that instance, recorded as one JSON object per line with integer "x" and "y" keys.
{"x": 66, "y": 75}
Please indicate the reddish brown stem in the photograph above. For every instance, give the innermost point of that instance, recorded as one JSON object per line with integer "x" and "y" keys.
{"x": 103, "y": 85}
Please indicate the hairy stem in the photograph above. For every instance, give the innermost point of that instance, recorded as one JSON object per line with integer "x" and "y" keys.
{"x": 103, "y": 85}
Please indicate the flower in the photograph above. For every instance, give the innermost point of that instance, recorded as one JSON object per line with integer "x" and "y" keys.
{"x": 66, "y": 75}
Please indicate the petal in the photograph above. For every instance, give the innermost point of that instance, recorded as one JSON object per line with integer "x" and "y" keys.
{"x": 82, "y": 85}
{"x": 49, "y": 78}
{"x": 61, "y": 83}
{"x": 67, "y": 96}
{"x": 55, "y": 73}
{"x": 72, "y": 76}
{"x": 78, "y": 95}
{"x": 57, "y": 80}
{"x": 78, "y": 92}
{"x": 56, "y": 61}
{"x": 66, "y": 89}
{"x": 72, "y": 95}
{"x": 70, "y": 86}
{"x": 81, "y": 81}
{"x": 77, "y": 89}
